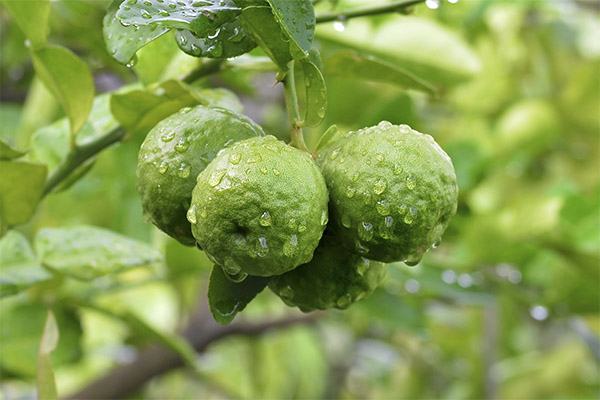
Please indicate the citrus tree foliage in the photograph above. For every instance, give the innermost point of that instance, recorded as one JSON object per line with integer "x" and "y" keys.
{"x": 505, "y": 306}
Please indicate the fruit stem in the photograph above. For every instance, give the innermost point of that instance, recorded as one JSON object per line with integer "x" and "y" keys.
{"x": 400, "y": 6}
{"x": 291, "y": 104}
{"x": 79, "y": 154}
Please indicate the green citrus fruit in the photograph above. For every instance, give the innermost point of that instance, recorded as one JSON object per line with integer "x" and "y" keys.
{"x": 392, "y": 191}
{"x": 259, "y": 208}
{"x": 173, "y": 154}
{"x": 333, "y": 278}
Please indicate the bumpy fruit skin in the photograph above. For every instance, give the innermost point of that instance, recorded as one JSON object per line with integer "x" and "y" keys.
{"x": 333, "y": 278}
{"x": 392, "y": 192}
{"x": 173, "y": 154}
{"x": 259, "y": 208}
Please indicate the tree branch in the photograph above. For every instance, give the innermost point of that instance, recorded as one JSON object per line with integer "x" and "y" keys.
{"x": 396, "y": 6}
{"x": 202, "y": 330}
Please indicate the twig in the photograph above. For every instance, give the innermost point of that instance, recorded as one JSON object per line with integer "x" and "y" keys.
{"x": 291, "y": 104}
{"x": 202, "y": 330}
{"x": 396, "y": 6}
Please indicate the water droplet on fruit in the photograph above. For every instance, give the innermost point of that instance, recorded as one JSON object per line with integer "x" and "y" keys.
{"x": 397, "y": 169}
{"x": 380, "y": 186}
{"x": 324, "y": 218}
{"x": 350, "y": 191}
{"x": 191, "y": 214}
{"x": 203, "y": 213}
{"x": 365, "y": 231}
{"x": 301, "y": 227}
{"x": 235, "y": 158}
{"x": 167, "y": 137}
{"x": 389, "y": 221}
{"x": 264, "y": 170}
{"x": 184, "y": 170}
{"x": 254, "y": 158}
{"x": 287, "y": 292}
{"x": 384, "y": 124}
{"x": 355, "y": 177}
{"x": 334, "y": 154}
{"x": 182, "y": 145}
{"x": 292, "y": 223}
{"x": 380, "y": 157}
{"x": 383, "y": 207}
{"x": 290, "y": 248}
{"x": 276, "y": 172}
{"x": 411, "y": 182}
{"x": 231, "y": 267}
{"x": 404, "y": 128}
{"x": 265, "y": 219}
{"x": 216, "y": 177}
{"x": 344, "y": 301}
{"x": 163, "y": 167}
{"x": 346, "y": 221}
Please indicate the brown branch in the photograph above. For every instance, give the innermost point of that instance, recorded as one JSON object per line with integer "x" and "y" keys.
{"x": 202, "y": 330}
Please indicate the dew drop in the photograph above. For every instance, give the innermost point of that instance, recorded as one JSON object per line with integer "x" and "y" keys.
{"x": 380, "y": 157}
{"x": 324, "y": 218}
{"x": 389, "y": 221}
{"x": 411, "y": 182}
{"x": 362, "y": 267}
{"x": 287, "y": 293}
{"x": 276, "y": 172}
{"x": 402, "y": 209}
{"x": 397, "y": 169}
{"x": 404, "y": 128}
{"x": 182, "y": 145}
{"x": 365, "y": 231}
{"x": 264, "y": 170}
{"x": 184, "y": 170}
{"x": 203, "y": 212}
{"x": 231, "y": 267}
{"x": 380, "y": 186}
{"x": 167, "y": 137}
{"x": 344, "y": 301}
{"x": 301, "y": 227}
{"x": 355, "y": 177}
{"x": 164, "y": 13}
{"x": 146, "y": 14}
{"x": 383, "y": 207}
{"x": 235, "y": 158}
{"x": 191, "y": 214}
{"x": 350, "y": 191}
{"x": 265, "y": 219}
{"x": 254, "y": 158}
{"x": 289, "y": 248}
{"x": 216, "y": 177}
{"x": 334, "y": 154}
{"x": 384, "y": 124}
{"x": 413, "y": 259}
{"x": 163, "y": 167}
{"x": 346, "y": 221}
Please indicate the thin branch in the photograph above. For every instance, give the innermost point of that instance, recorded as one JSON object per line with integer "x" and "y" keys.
{"x": 393, "y": 7}
{"x": 202, "y": 330}
{"x": 291, "y": 104}
{"x": 79, "y": 155}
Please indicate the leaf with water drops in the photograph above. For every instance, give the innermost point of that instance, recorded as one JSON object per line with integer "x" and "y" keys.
{"x": 351, "y": 65}
{"x": 19, "y": 267}
{"x": 316, "y": 93}
{"x": 87, "y": 252}
{"x": 203, "y": 17}
{"x": 21, "y": 189}
{"x": 123, "y": 41}
{"x": 226, "y": 297}
{"x": 230, "y": 40}
{"x": 297, "y": 21}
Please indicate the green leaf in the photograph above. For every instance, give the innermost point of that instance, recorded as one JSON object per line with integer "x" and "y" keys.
{"x": 352, "y": 65}
{"x": 50, "y": 144}
{"x": 230, "y": 40}
{"x": 425, "y": 48}
{"x": 122, "y": 42}
{"x": 7, "y": 152}
{"x": 19, "y": 267}
{"x": 21, "y": 327}
{"x": 154, "y": 58}
{"x": 316, "y": 93}
{"x": 227, "y": 298}
{"x": 203, "y": 17}
{"x": 69, "y": 79}
{"x": 87, "y": 252}
{"x": 332, "y": 134}
{"x": 297, "y": 21}
{"x": 21, "y": 189}
{"x": 260, "y": 23}
{"x": 46, "y": 384}
{"x": 32, "y": 18}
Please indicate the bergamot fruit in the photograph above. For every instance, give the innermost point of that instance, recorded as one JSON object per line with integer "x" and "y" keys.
{"x": 333, "y": 278}
{"x": 259, "y": 208}
{"x": 173, "y": 154}
{"x": 392, "y": 191}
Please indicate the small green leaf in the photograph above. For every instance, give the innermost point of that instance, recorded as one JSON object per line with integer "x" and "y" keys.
{"x": 69, "y": 79}
{"x": 21, "y": 189}
{"x": 19, "y": 267}
{"x": 260, "y": 23}
{"x": 230, "y": 40}
{"x": 154, "y": 58}
{"x": 203, "y": 17}
{"x": 32, "y": 18}
{"x": 331, "y": 135}
{"x": 46, "y": 384}
{"x": 122, "y": 42}
{"x": 297, "y": 21}
{"x": 351, "y": 65}
{"x": 7, "y": 152}
{"x": 87, "y": 252}
{"x": 316, "y": 93}
{"x": 227, "y": 298}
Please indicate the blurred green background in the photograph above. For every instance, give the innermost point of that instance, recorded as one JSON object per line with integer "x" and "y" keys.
{"x": 506, "y": 307}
